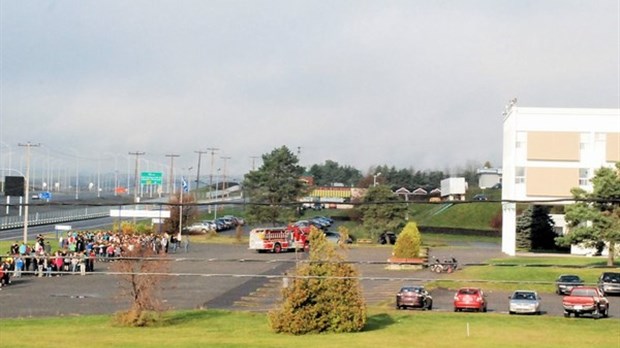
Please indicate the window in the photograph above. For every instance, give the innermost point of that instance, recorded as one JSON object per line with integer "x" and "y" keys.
{"x": 519, "y": 175}
{"x": 584, "y": 176}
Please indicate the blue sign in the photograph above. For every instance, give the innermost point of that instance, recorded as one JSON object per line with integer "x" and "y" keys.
{"x": 45, "y": 195}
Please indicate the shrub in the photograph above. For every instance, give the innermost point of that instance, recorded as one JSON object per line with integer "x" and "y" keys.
{"x": 408, "y": 242}
{"x": 325, "y": 295}
{"x": 140, "y": 277}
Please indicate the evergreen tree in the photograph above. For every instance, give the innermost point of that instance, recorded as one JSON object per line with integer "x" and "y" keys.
{"x": 595, "y": 218}
{"x": 378, "y": 212}
{"x": 543, "y": 235}
{"x": 408, "y": 242}
{"x": 523, "y": 230}
{"x": 325, "y": 295}
{"x": 274, "y": 189}
{"x": 535, "y": 229}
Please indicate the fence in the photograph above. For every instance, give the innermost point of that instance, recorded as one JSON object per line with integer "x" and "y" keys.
{"x": 54, "y": 217}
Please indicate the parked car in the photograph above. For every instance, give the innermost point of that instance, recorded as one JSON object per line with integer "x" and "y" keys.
{"x": 609, "y": 283}
{"x": 201, "y": 227}
{"x": 566, "y": 282}
{"x": 326, "y": 218}
{"x": 524, "y": 302}
{"x": 480, "y": 197}
{"x": 387, "y": 238}
{"x": 497, "y": 186}
{"x": 233, "y": 220}
{"x": 470, "y": 299}
{"x": 586, "y": 300}
{"x": 334, "y": 237}
{"x": 414, "y": 297}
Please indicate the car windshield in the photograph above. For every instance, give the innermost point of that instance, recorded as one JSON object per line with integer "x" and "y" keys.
{"x": 468, "y": 292}
{"x": 611, "y": 277}
{"x": 524, "y": 296}
{"x": 570, "y": 279}
{"x": 583, "y": 292}
{"x": 411, "y": 289}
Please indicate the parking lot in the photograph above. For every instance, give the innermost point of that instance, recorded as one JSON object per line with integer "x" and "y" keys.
{"x": 235, "y": 278}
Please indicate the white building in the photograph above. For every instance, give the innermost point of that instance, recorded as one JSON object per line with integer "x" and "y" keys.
{"x": 548, "y": 151}
{"x": 453, "y": 189}
{"x": 489, "y": 177}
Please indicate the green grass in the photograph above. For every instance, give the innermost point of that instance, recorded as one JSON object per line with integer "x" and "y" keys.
{"x": 385, "y": 328}
{"x": 577, "y": 261}
{"x": 510, "y": 278}
{"x": 474, "y": 216}
{"x": 440, "y": 239}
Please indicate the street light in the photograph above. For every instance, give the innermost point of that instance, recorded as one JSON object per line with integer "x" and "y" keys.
{"x": 374, "y": 179}
{"x": 216, "y": 192}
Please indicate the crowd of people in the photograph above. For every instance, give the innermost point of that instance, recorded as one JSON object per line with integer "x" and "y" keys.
{"x": 77, "y": 252}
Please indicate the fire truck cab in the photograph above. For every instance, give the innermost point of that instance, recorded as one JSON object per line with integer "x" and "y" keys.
{"x": 278, "y": 239}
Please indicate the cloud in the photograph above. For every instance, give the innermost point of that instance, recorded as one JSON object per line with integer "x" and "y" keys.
{"x": 363, "y": 83}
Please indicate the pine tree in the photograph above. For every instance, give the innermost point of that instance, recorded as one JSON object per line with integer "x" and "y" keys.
{"x": 408, "y": 242}
{"x": 325, "y": 295}
{"x": 274, "y": 188}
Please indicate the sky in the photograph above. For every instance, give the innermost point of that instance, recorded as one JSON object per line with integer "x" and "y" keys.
{"x": 410, "y": 84}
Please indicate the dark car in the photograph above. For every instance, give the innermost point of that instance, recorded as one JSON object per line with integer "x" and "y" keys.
{"x": 609, "y": 283}
{"x": 566, "y": 282}
{"x": 414, "y": 297}
{"x": 480, "y": 197}
{"x": 387, "y": 238}
{"x": 334, "y": 237}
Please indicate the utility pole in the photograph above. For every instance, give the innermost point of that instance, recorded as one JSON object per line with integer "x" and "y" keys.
{"x": 136, "y": 179}
{"x": 224, "y": 180}
{"x": 253, "y": 161}
{"x": 212, "y": 149}
{"x": 198, "y": 170}
{"x": 171, "y": 178}
{"x": 28, "y": 145}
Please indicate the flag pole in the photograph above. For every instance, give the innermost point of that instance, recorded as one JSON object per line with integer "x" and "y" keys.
{"x": 181, "y": 211}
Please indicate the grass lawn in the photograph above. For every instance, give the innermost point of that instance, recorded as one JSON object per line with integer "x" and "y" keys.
{"x": 509, "y": 278}
{"x": 385, "y": 328}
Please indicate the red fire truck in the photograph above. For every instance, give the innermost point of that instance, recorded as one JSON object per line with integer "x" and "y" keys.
{"x": 278, "y": 239}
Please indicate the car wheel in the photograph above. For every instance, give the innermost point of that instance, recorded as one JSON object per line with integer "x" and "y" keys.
{"x": 566, "y": 315}
{"x": 596, "y": 314}
{"x": 484, "y": 309}
{"x": 430, "y": 306}
{"x": 456, "y": 309}
{"x": 606, "y": 312}
{"x": 511, "y": 312}
{"x": 277, "y": 248}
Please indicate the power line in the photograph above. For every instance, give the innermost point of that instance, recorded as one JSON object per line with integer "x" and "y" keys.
{"x": 200, "y": 153}
{"x": 135, "y": 178}
{"x": 171, "y": 178}
{"x": 212, "y": 150}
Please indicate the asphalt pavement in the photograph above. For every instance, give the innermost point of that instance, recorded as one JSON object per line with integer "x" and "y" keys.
{"x": 235, "y": 278}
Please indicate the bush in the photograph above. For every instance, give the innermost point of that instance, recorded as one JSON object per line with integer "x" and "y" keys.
{"x": 325, "y": 295}
{"x": 408, "y": 242}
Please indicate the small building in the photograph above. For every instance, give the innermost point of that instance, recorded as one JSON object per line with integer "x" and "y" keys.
{"x": 453, "y": 189}
{"x": 489, "y": 177}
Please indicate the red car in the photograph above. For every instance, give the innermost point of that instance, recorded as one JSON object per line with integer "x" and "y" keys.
{"x": 470, "y": 299}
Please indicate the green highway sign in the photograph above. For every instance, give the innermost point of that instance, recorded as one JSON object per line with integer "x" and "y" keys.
{"x": 150, "y": 178}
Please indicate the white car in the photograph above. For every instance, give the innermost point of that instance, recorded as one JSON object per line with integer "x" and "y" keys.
{"x": 524, "y": 302}
{"x": 202, "y": 227}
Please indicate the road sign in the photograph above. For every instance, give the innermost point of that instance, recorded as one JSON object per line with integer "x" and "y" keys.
{"x": 45, "y": 195}
{"x": 150, "y": 178}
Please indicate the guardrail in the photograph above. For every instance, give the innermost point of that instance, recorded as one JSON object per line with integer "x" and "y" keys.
{"x": 54, "y": 217}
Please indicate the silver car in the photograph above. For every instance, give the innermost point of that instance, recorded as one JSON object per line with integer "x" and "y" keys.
{"x": 524, "y": 302}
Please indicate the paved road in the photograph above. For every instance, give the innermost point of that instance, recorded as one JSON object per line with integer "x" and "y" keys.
{"x": 232, "y": 277}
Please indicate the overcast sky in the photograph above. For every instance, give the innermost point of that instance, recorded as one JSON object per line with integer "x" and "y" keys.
{"x": 410, "y": 84}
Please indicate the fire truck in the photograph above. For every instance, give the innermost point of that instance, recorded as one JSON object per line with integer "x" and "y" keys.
{"x": 279, "y": 239}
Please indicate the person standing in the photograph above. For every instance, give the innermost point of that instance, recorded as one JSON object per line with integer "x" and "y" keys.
{"x": 186, "y": 244}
